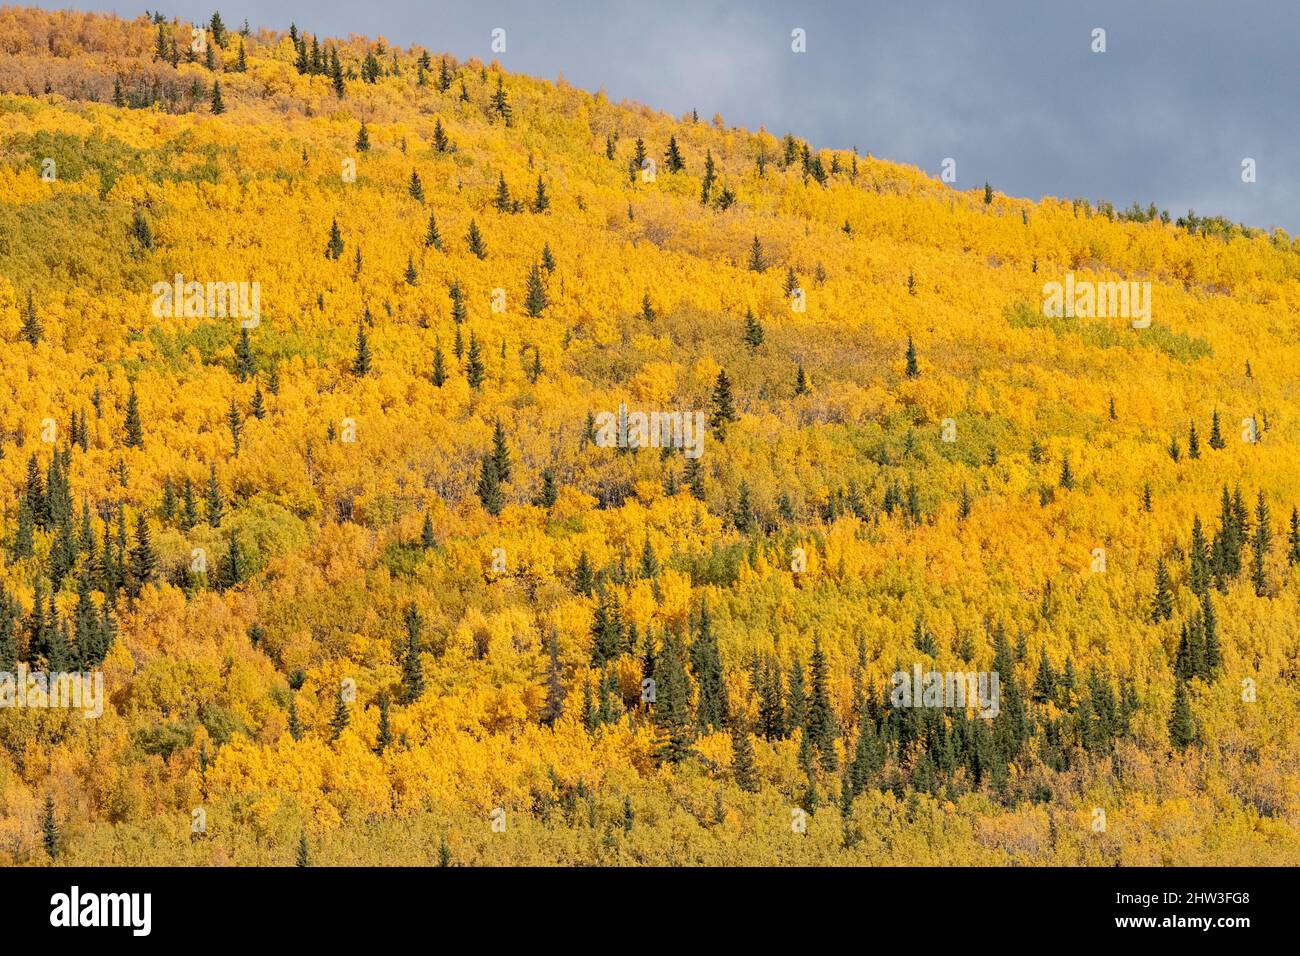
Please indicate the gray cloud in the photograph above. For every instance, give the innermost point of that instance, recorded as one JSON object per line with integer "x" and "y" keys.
{"x": 1185, "y": 91}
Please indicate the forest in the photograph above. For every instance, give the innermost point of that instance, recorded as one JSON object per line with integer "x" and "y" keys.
{"x": 444, "y": 466}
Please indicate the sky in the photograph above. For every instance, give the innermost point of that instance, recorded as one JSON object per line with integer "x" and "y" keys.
{"x": 1012, "y": 90}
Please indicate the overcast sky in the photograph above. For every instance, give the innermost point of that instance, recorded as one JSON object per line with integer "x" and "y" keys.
{"x": 1010, "y": 89}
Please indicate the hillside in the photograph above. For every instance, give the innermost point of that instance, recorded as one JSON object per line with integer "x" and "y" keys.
{"x": 359, "y": 568}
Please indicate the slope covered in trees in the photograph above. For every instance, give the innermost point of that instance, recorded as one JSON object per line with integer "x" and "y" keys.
{"x": 366, "y": 581}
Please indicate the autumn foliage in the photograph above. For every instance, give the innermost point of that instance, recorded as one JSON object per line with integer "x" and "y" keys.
{"x": 362, "y": 565}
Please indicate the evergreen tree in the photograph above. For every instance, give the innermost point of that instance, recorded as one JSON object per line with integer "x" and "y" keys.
{"x": 672, "y": 709}
{"x": 370, "y": 68}
{"x": 743, "y": 516}
{"x": 304, "y": 852}
{"x": 649, "y": 560}
{"x": 245, "y": 366}
{"x": 143, "y": 561}
{"x": 427, "y": 539}
{"x": 1193, "y": 442}
{"x": 342, "y": 716}
{"x": 756, "y": 261}
{"x": 474, "y": 370}
{"x": 1262, "y": 544}
{"x": 606, "y": 630}
{"x": 411, "y": 276}
{"x": 913, "y": 370}
{"x": 336, "y": 74}
{"x": 440, "y": 141}
{"x": 822, "y": 726}
{"x": 1067, "y": 476}
{"x": 1182, "y": 726}
{"x": 1210, "y": 631}
{"x": 796, "y": 701}
{"x": 584, "y": 578}
{"x": 1189, "y": 658}
{"x": 724, "y": 412}
{"x": 133, "y": 429}
{"x": 489, "y": 487}
{"x": 361, "y": 363}
{"x": 771, "y": 709}
{"x": 555, "y": 692}
{"x": 458, "y": 311}
{"x": 753, "y": 331}
{"x": 868, "y": 756}
{"x": 218, "y": 30}
{"x": 474, "y": 240}
{"x": 500, "y": 453}
{"x": 791, "y": 282}
{"x": 257, "y": 408}
{"x": 500, "y": 103}
{"x": 964, "y": 504}
{"x": 1162, "y": 606}
{"x": 439, "y": 376}
{"x": 218, "y": 105}
{"x": 384, "y": 737}
{"x": 548, "y": 494}
{"x": 710, "y": 177}
{"x": 295, "y": 724}
{"x": 673, "y": 161}
{"x": 334, "y": 248}
{"x": 1216, "y": 436}
{"x": 801, "y": 382}
{"x": 50, "y": 830}
{"x": 9, "y": 621}
{"x": 1045, "y": 681}
{"x": 189, "y": 511}
{"x": 236, "y": 424}
{"x": 742, "y": 758}
{"x": 31, "y": 328}
{"x": 536, "y": 302}
{"x": 431, "y": 235}
{"x": 214, "y": 503}
{"x": 503, "y": 202}
{"x": 1199, "y": 576}
{"x": 713, "y": 706}
{"x": 231, "y": 571}
{"x": 412, "y": 668}
{"x": 923, "y": 640}
{"x": 363, "y": 139}
{"x": 541, "y": 201}
{"x": 24, "y": 537}
{"x": 590, "y": 714}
